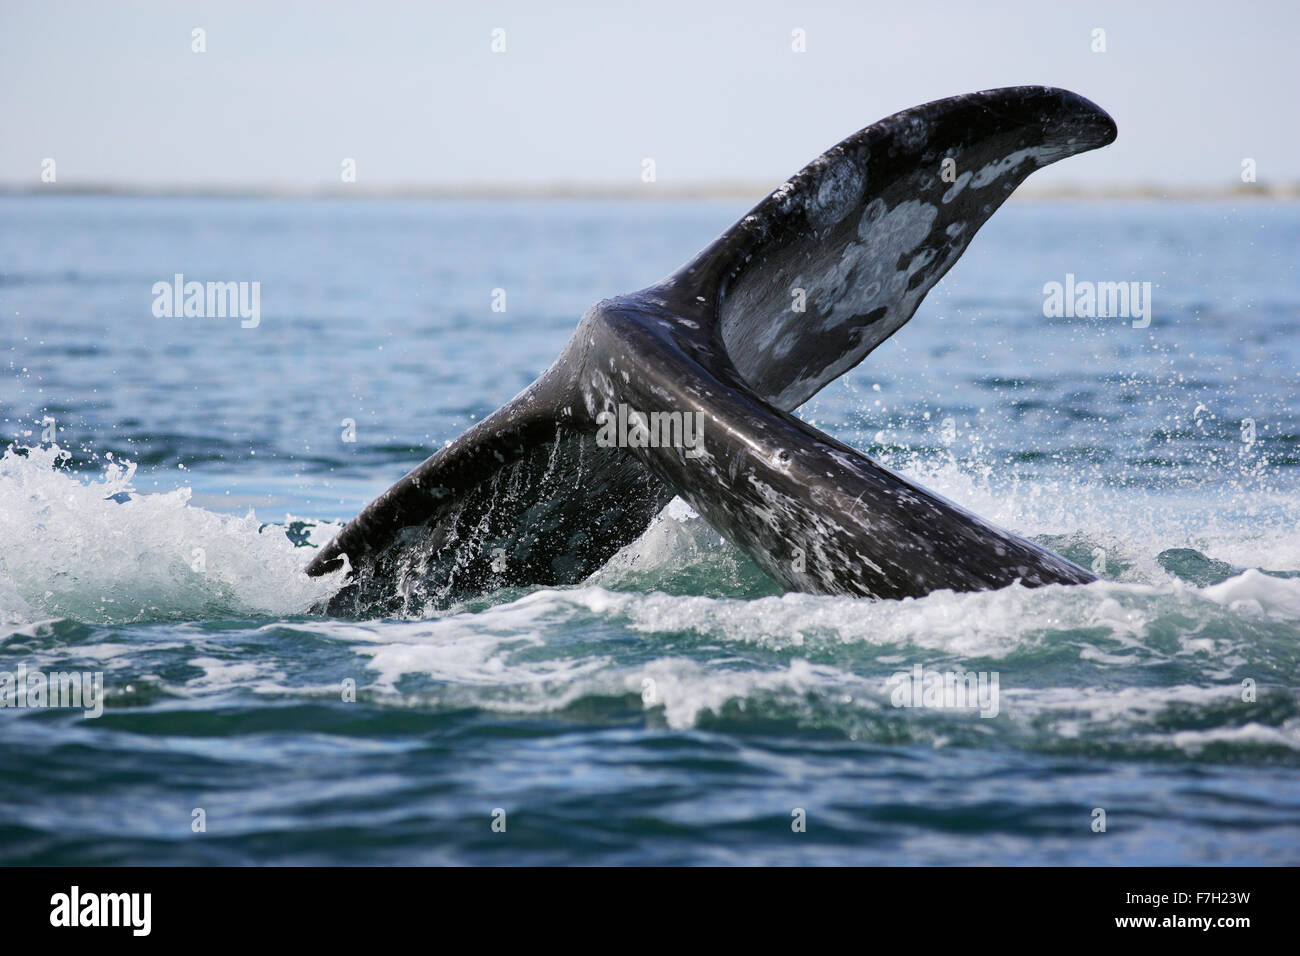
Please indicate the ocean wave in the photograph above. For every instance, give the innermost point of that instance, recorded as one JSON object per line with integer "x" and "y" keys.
{"x": 98, "y": 551}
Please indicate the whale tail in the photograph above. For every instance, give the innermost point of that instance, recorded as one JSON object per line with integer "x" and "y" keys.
{"x": 792, "y": 296}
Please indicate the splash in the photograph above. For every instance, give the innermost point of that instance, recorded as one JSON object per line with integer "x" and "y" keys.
{"x": 98, "y": 551}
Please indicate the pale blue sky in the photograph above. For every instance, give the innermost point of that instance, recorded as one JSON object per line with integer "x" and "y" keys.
{"x": 711, "y": 91}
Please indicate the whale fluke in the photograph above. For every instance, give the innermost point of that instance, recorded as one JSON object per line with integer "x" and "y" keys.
{"x": 791, "y": 297}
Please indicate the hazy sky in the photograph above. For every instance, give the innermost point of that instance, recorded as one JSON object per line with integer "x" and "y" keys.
{"x": 711, "y": 91}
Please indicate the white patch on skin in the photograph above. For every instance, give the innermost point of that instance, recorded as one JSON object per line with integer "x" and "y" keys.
{"x": 870, "y": 216}
{"x": 870, "y": 262}
{"x": 958, "y": 185}
{"x": 856, "y": 282}
{"x": 905, "y": 227}
{"x": 863, "y": 279}
{"x": 1042, "y": 156}
{"x": 999, "y": 168}
{"x": 838, "y": 193}
{"x": 896, "y": 233}
{"x": 784, "y": 196}
{"x": 919, "y": 262}
{"x": 913, "y": 133}
{"x": 783, "y": 347}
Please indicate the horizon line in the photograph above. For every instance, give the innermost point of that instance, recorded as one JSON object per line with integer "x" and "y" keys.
{"x": 720, "y": 190}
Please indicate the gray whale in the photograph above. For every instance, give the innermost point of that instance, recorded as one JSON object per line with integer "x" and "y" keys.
{"x": 530, "y": 496}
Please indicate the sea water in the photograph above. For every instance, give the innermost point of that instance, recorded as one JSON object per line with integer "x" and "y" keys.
{"x": 166, "y": 478}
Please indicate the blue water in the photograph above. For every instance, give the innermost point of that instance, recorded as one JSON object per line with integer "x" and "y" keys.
{"x": 676, "y": 708}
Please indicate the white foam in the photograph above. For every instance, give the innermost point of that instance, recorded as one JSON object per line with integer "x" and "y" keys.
{"x": 1258, "y": 595}
{"x": 1259, "y": 735}
{"x": 511, "y": 656}
{"x": 68, "y": 550}
{"x": 1245, "y": 523}
{"x": 471, "y": 649}
{"x": 976, "y": 624}
{"x": 219, "y": 673}
{"x": 686, "y": 689}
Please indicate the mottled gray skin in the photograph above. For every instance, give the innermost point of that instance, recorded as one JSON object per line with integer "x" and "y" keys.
{"x": 527, "y": 496}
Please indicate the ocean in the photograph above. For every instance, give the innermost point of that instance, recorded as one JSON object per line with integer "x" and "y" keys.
{"x": 165, "y": 480}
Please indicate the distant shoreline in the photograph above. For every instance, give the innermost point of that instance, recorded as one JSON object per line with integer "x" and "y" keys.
{"x": 652, "y": 192}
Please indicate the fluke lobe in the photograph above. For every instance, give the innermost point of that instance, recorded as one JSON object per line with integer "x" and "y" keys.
{"x": 788, "y": 299}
